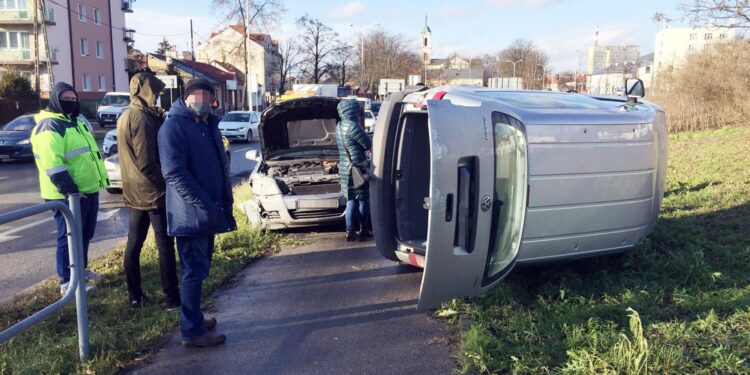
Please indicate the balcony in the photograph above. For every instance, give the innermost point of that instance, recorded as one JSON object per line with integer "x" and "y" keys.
{"x": 127, "y": 35}
{"x": 127, "y": 6}
{"x": 25, "y": 17}
{"x": 16, "y": 57}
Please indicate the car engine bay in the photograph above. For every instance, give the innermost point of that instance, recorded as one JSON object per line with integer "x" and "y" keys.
{"x": 304, "y": 177}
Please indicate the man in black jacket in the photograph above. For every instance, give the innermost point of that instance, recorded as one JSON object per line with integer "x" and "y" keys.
{"x": 144, "y": 188}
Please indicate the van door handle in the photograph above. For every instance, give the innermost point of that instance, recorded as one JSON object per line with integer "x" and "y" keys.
{"x": 449, "y": 207}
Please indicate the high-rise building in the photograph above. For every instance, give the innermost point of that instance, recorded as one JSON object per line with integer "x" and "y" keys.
{"x": 674, "y": 44}
{"x": 603, "y": 59}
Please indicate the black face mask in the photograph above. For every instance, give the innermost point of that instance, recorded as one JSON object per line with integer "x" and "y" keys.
{"x": 68, "y": 106}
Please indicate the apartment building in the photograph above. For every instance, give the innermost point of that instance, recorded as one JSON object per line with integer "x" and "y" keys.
{"x": 674, "y": 44}
{"x": 86, "y": 43}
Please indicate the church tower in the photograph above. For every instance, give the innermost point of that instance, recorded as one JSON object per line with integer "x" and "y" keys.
{"x": 426, "y": 43}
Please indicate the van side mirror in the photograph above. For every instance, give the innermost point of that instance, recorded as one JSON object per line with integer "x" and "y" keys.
{"x": 634, "y": 89}
{"x": 252, "y": 155}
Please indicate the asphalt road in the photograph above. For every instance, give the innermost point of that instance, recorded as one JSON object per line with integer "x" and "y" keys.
{"x": 27, "y": 247}
{"x": 325, "y": 307}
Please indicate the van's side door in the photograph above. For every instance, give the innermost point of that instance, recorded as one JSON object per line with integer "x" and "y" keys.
{"x": 461, "y": 203}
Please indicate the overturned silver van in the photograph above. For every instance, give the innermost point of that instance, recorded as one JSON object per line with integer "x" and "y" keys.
{"x": 469, "y": 181}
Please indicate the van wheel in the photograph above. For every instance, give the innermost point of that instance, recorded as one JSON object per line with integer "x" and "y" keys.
{"x": 249, "y": 136}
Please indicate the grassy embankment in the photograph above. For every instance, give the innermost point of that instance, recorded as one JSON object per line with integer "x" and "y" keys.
{"x": 677, "y": 304}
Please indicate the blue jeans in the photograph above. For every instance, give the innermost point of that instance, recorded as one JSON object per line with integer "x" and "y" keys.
{"x": 357, "y": 212}
{"x": 89, "y": 209}
{"x": 195, "y": 261}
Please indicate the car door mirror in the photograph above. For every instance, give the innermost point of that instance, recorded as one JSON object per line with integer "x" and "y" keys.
{"x": 252, "y": 155}
{"x": 634, "y": 88}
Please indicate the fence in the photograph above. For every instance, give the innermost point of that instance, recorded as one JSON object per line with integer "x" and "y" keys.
{"x": 77, "y": 285}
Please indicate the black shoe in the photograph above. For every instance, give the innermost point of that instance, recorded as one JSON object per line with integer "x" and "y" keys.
{"x": 209, "y": 339}
{"x": 210, "y": 323}
{"x": 139, "y": 303}
{"x": 351, "y": 236}
{"x": 364, "y": 235}
{"x": 171, "y": 305}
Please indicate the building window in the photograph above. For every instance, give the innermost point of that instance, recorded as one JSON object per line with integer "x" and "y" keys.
{"x": 86, "y": 82}
{"x": 81, "y": 12}
{"x": 691, "y": 48}
{"x": 722, "y": 36}
{"x": 102, "y": 84}
{"x": 99, "y": 50}
{"x": 97, "y": 16}
{"x": 425, "y": 42}
{"x": 693, "y": 36}
{"x": 13, "y": 5}
{"x": 3, "y": 40}
{"x": 708, "y": 36}
{"x": 84, "y": 47}
{"x": 13, "y": 40}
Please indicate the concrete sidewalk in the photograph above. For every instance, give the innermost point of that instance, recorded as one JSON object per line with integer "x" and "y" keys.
{"x": 326, "y": 307}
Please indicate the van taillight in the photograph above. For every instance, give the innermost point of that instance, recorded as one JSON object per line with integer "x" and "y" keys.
{"x": 439, "y": 95}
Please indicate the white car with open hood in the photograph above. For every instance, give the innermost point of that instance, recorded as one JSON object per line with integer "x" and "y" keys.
{"x": 295, "y": 182}
{"x": 468, "y": 181}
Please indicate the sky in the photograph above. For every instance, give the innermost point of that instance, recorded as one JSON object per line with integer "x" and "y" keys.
{"x": 562, "y": 29}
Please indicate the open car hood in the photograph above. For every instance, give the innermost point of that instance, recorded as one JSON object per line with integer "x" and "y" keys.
{"x": 298, "y": 124}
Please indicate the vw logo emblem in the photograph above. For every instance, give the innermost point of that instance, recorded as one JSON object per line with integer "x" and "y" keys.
{"x": 486, "y": 203}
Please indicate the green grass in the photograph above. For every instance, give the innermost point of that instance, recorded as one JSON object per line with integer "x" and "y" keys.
{"x": 119, "y": 334}
{"x": 677, "y": 304}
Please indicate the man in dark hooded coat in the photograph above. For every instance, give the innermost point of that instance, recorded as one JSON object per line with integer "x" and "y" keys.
{"x": 144, "y": 189}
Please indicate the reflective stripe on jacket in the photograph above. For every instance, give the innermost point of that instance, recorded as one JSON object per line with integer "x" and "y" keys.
{"x": 61, "y": 146}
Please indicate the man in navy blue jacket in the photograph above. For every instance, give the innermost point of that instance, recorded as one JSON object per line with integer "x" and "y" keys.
{"x": 199, "y": 200}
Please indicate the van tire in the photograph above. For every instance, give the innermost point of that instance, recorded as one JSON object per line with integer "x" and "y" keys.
{"x": 249, "y": 136}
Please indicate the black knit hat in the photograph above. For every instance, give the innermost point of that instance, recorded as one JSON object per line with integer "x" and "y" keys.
{"x": 199, "y": 84}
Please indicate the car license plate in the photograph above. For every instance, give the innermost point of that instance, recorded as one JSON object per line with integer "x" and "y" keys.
{"x": 317, "y": 203}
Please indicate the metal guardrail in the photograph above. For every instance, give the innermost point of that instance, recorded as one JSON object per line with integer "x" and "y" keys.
{"x": 77, "y": 285}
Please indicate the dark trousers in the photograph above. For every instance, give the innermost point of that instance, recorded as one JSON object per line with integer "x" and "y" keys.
{"x": 89, "y": 209}
{"x": 195, "y": 260}
{"x": 137, "y": 232}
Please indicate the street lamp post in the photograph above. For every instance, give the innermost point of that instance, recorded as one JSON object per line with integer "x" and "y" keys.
{"x": 362, "y": 54}
{"x": 514, "y": 66}
{"x": 544, "y": 73}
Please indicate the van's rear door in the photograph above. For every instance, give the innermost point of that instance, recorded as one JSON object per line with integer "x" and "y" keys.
{"x": 461, "y": 199}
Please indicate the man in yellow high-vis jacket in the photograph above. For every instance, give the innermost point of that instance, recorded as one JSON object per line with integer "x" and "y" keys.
{"x": 69, "y": 162}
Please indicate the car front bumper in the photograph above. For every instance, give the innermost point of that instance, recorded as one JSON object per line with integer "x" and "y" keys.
{"x": 296, "y": 211}
{"x": 235, "y": 134}
{"x": 106, "y": 118}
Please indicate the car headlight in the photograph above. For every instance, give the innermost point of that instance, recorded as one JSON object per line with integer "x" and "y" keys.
{"x": 110, "y": 138}
{"x": 264, "y": 186}
{"x": 24, "y": 141}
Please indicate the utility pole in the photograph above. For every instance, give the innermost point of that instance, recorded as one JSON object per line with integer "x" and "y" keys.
{"x": 36, "y": 55}
{"x": 192, "y": 47}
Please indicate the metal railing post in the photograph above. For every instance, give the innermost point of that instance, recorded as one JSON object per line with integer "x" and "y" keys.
{"x": 75, "y": 248}
{"x": 77, "y": 283}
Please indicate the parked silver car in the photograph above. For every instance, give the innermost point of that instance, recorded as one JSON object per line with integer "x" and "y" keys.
{"x": 468, "y": 181}
{"x": 295, "y": 182}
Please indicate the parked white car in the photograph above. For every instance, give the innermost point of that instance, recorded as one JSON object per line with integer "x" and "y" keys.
{"x": 109, "y": 145}
{"x": 111, "y": 107}
{"x": 468, "y": 182}
{"x": 369, "y": 121}
{"x": 240, "y": 125}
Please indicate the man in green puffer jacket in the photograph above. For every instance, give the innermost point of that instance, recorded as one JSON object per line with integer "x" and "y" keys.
{"x": 353, "y": 141}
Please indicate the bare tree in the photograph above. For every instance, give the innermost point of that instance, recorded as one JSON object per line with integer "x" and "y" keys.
{"x": 339, "y": 66}
{"x": 385, "y": 56}
{"x": 719, "y": 13}
{"x": 287, "y": 62}
{"x": 530, "y": 63}
{"x": 318, "y": 43}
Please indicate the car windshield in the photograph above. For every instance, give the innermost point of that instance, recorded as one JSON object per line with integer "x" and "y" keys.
{"x": 236, "y": 117}
{"x": 25, "y": 123}
{"x": 116, "y": 100}
{"x": 309, "y": 154}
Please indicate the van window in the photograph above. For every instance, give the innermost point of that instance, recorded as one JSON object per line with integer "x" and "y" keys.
{"x": 509, "y": 206}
